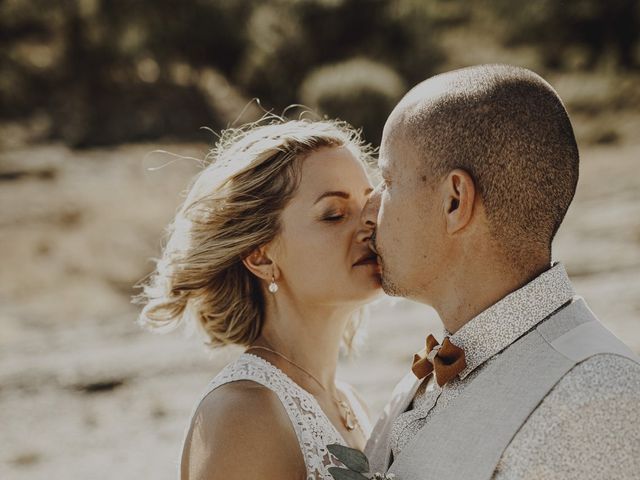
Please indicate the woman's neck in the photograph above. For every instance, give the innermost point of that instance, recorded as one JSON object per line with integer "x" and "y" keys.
{"x": 310, "y": 336}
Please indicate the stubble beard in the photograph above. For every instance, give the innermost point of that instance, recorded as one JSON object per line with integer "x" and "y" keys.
{"x": 389, "y": 287}
{"x": 392, "y": 289}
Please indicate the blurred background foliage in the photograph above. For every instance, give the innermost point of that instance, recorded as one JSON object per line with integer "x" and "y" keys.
{"x": 98, "y": 72}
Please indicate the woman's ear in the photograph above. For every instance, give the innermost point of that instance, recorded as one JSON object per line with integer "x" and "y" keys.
{"x": 459, "y": 201}
{"x": 260, "y": 264}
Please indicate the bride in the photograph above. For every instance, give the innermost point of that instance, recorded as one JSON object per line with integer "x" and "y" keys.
{"x": 269, "y": 251}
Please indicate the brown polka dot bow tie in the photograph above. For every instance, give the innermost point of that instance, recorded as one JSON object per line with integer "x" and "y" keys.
{"x": 447, "y": 360}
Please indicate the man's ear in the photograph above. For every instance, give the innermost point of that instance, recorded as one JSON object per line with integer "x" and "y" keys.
{"x": 260, "y": 264}
{"x": 459, "y": 200}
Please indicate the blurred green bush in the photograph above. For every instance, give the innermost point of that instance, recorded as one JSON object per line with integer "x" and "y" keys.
{"x": 573, "y": 33}
{"x": 108, "y": 71}
{"x": 360, "y": 91}
{"x": 104, "y": 71}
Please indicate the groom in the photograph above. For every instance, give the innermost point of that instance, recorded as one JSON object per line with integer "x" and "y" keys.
{"x": 479, "y": 167}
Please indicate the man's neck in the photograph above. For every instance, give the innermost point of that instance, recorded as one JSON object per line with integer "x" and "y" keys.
{"x": 476, "y": 288}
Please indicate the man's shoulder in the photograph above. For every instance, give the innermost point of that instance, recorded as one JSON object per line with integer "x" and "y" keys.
{"x": 576, "y": 334}
{"x": 602, "y": 375}
{"x": 605, "y": 384}
{"x": 571, "y": 432}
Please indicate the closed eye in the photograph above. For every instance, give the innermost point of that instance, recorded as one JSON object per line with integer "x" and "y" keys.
{"x": 333, "y": 218}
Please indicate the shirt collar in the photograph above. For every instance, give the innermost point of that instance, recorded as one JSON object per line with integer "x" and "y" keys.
{"x": 504, "y": 322}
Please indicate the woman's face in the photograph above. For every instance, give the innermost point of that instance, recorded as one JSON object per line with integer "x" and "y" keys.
{"x": 322, "y": 251}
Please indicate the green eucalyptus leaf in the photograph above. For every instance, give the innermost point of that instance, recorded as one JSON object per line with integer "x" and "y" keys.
{"x": 353, "y": 459}
{"x": 339, "y": 473}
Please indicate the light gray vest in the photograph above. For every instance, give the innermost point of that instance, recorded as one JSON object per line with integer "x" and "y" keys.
{"x": 468, "y": 438}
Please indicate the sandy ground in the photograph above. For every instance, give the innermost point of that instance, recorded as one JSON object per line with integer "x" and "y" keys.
{"x": 85, "y": 394}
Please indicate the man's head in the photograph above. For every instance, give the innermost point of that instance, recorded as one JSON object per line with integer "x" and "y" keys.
{"x": 479, "y": 165}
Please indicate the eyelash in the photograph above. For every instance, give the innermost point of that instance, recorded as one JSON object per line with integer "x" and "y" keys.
{"x": 332, "y": 218}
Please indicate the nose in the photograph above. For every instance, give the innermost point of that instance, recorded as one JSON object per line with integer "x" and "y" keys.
{"x": 369, "y": 215}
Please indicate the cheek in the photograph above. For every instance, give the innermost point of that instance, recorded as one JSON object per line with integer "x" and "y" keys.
{"x": 403, "y": 227}
{"x": 313, "y": 256}
{"x": 393, "y": 217}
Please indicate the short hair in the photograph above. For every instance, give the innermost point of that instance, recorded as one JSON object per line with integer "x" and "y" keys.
{"x": 508, "y": 128}
{"x": 234, "y": 206}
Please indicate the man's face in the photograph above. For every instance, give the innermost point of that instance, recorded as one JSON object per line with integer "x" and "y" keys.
{"x": 409, "y": 220}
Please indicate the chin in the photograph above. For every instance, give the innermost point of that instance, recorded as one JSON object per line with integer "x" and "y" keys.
{"x": 367, "y": 292}
{"x": 391, "y": 288}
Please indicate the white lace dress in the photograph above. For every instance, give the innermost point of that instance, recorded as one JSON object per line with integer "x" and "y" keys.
{"x": 313, "y": 428}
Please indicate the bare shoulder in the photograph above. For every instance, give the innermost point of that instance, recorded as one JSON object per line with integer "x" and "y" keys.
{"x": 241, "y": 430}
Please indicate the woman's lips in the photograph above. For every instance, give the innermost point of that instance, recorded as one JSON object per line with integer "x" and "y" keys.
{"x": 367, "y": 261}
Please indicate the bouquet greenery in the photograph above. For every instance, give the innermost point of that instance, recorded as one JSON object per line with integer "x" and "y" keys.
{"x": 356, "y": 465}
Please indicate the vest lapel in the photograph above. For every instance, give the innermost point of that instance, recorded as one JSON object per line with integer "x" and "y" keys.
{"x": 378, "y": 448}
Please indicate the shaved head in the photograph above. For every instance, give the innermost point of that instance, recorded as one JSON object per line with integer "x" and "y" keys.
{"x": 509, "y": 130}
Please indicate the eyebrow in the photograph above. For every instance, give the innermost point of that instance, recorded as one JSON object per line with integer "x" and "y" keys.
{"x": 344, "y": 195}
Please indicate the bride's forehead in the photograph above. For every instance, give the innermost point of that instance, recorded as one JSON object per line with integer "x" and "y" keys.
{"x": 331, "y": 170}
{"x": 328, "y": 158}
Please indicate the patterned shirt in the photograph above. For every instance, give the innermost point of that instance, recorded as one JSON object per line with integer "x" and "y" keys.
{"x": 576, "y": 431}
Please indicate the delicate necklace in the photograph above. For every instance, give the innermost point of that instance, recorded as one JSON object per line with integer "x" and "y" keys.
{"x": 349, "y": 419}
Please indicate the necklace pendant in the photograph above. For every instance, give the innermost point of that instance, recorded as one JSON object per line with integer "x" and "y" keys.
{"x": 349, "y": 421}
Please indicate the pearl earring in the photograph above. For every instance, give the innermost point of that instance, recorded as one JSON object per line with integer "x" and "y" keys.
{"x": 273, "y": 286}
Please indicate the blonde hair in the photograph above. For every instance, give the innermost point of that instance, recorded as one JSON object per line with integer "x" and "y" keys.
{"x": 233, "y": 206}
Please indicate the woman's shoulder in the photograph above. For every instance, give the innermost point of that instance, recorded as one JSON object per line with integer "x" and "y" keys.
{"x": 241, "y": 430}
{"x": 242, "y": 398}
{"x": 240, "y": 403}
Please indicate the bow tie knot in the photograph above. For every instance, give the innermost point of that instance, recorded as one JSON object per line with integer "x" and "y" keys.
{"x": 446, "y": 360}
{"x": 432, "y": 354}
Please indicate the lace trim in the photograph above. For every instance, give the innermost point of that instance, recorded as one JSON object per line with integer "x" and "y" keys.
{"x": 313, "y": 428}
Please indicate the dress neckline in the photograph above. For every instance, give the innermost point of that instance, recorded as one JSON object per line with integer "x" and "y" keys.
{"x": 312, "y": 399}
